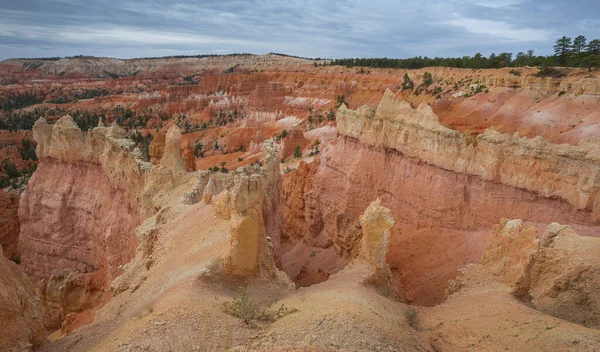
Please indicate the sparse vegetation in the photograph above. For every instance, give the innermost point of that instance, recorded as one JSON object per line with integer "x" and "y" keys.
{"x": 427, "y": 79}
{"x": 250, "y": 312}
{"x": 198, "y": 150}
{"x": 340, "y": 100}
{"x": 407, "y": 84}
{"x": 27, "y": 150}
{"x": 412, "y": 317}
{"x": 142, "y": 142}
{"x": 298, "y": 152}
{"x": 315, "y": 150}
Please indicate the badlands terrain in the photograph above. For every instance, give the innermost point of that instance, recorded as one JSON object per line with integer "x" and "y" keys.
{"x": 270, "y": 203}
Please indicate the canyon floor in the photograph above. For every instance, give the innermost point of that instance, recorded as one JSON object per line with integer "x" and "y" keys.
{"x": 271, "y": 203}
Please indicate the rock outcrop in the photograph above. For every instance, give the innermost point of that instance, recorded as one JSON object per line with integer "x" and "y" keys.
{"x": 563, "y": 171}
{"x": 251, "y": 198}
{"x": 195, "y": 194}
{"x": 21, "y": 313}
{"x": 558, "y": 272}
{"x": 189, "y": 159}
{"x": 79, "y": 213}
{"x": 247, "y": 232}
{"x": 157, "y": 148}
{"x": 171, "y": 158}
{"x": 272, "y": 195}
{"x": 289, "y": 144}
{"x": 9, "y": 223}
{"x": 376, "y": 223}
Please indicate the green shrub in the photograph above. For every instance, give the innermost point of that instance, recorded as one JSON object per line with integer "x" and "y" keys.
{"x": 515, "y": 72}
{"x": 249, "y": 311}
{"x": 427, "y": 78}
{"x": 561, "y": 93}
{"x": 298, "y": 152}
{"x": 412, "y": 317}
{"x": 407, "y": 84}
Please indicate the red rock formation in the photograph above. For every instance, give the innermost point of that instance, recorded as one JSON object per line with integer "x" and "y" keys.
{"x": 21, "y": 314}
{"x": 79, "y": 212}
{"x": 9, "y": 223}
{"x": 291, "y": 142}
{"x": 189, "y": 159}
{"x": 439, "y": 213}
{"x": 157, "y": 147}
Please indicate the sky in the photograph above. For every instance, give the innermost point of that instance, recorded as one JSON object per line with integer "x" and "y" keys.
{"x": 309, "y": 28}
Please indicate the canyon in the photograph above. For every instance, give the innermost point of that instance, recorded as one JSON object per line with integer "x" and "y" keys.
{"x": 168, "y": 195}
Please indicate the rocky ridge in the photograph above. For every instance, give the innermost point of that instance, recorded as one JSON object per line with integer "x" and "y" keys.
{"x": 563, "y": 171}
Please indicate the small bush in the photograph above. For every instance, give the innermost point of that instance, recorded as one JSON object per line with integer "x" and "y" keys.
{"x": 427, "y": 78}
{"x": 515, "y": 72}
{"x": 298, "y": 152}
{"x": 412, "y": 317}
{"x": 247, "y": 310}
{"x": 407, "y": 84}
{"x": 561, "y": 93}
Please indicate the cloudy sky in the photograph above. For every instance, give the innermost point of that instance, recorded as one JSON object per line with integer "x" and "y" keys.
{"x": 310, "y": 28}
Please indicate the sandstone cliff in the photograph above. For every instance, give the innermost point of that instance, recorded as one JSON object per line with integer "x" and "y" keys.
{"x": 9, "y": 223}
{"x": 445, "y": 190}
{"x": 562, "y": 171}
{"x": 79, "y": 213}
{"x": 156, "y": 148}
{"x": 21, "y": 314}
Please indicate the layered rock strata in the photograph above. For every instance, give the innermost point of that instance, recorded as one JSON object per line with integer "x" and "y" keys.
{"x": 562, "y": 171}
{"x": 21, "y": 313}
{"x": 79, "y": 213}
{"x": 9, "y": 223}
{"x": 445, "y": 190}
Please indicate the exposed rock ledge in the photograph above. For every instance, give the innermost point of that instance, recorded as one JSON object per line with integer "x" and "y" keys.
{"x": 561, "y": 171}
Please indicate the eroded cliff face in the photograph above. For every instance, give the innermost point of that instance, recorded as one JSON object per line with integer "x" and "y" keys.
{"x": 9, "y": 224}
{"x": 557, "y": 271}
{"x": 78, "y": 214}
{"x": 445, "y": 190}
{"x": 562, "y": 171}
{"x": 21, "y": 313}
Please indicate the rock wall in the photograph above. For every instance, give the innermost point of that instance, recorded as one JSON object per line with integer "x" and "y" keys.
{"x": 21, "y": 314}
{"x": 426, "y": 175}
{"x": 9, "y": 223}
{"x": 293, "y": 140}
{"x": 79, "y": 213}
{"x": 156, "y": 148}
{"x": 561, "y": 171}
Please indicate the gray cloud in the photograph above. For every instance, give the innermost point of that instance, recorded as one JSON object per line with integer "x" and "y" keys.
{"x": 314, "y": 28}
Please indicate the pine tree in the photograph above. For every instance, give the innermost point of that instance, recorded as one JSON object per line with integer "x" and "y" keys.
{"x": 590, "y": 61}
{"x": 562, "y": 50}
{"x": 298, "y": 152}
{"x": 579, "y": 44}
{"x": 407, "y": 83}
{"x": 578, "y": 49}
{"x": 593, "y": 47}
